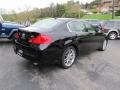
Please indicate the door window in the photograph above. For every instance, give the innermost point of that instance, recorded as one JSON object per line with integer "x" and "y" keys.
{"x": 76, "y": 26}
{"x": 90, "y": 28}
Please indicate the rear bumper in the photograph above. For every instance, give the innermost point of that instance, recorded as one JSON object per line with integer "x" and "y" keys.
{"x": 50, "y": 55}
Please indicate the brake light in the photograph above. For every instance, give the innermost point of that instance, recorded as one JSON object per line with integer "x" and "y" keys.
{"x": 17, "y": 36}
{"x": 40, "y": 39}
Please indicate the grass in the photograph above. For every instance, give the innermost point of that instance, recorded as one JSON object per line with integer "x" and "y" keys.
{"x": 99, "y": 16}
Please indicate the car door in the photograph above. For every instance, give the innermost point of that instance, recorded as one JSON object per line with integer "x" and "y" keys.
{"x": 3, "y": 31}
{"x": 82, "y": 39}
{"x": 94, "y": 37}
{"x": 6, "y": 29}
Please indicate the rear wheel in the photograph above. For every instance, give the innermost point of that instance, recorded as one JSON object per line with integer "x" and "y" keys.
{"x": 68, "y": 57}
{"x": 112, "y": 35}
{"x": 12, "y": 38}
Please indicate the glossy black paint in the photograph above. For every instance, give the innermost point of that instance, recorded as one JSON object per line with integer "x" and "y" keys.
{"x": 62, "y": 37}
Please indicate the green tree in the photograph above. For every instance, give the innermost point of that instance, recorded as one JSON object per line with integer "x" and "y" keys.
{"x": 60, "y": 10}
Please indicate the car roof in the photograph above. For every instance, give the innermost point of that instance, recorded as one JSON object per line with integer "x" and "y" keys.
{"x": 65, "y": 19}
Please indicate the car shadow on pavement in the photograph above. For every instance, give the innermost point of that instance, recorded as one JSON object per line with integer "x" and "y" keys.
{"x": 47, "y": 68}
{"x": 38, "y": 72}
{"x": 39, "y": 68}
{"x": 4, "y": 41}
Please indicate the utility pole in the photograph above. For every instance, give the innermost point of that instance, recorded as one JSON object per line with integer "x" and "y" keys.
{"x": 113, "y": 9}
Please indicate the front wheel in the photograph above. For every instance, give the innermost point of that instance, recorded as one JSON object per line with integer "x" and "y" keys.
{"x": 68, "y": 57}
{"x": 104, "y": 45}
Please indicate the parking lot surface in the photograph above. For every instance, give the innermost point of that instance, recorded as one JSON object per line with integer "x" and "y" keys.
{"x": 95, "y": 71}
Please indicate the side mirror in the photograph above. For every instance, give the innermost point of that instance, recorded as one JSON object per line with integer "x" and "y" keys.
{"x": 97, "y": 28}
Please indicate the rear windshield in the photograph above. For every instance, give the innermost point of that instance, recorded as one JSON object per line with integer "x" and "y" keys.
{"x": 46, "y": 23}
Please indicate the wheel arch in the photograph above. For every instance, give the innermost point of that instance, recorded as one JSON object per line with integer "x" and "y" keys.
{"x": 12, "y": 33}
{"x": 76, "y": 48}
{"x": 116, "y": 31}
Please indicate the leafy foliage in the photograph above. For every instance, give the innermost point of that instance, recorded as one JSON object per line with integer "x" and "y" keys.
{"x": 117, "y": 13}
{"x": 70, "y": 9}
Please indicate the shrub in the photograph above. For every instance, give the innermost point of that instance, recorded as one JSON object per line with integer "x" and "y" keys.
{"x": 117, "y": 13}
{"x": 94, "y": 11}
{"x": 74, "y": 14}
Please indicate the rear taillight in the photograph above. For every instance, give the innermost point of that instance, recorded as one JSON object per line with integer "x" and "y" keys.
{"x": 17, "y": 36}
{"x": 40, "y": 39}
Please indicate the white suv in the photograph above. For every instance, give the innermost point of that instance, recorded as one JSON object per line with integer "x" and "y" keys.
{"x": 112, "y": 29}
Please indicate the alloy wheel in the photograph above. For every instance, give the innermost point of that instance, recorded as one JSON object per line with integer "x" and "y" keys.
{"x": 69, "y": 57}
{"x": 112, "y": 36}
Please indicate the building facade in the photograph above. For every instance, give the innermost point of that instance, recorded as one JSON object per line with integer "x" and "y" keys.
{"x": 107, "y": 5}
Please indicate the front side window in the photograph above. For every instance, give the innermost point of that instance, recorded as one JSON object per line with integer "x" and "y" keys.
{"x": 76, "y": 26}
{"x": 89, "y": 28}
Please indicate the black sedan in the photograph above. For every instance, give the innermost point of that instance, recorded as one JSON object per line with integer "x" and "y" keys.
{"x": 59, "y": 40}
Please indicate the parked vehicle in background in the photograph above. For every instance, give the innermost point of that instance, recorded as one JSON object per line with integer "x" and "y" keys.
{"x": 112, "y": 29}
{"x": 58, "y": 39}
{"x": 8, "y": 29}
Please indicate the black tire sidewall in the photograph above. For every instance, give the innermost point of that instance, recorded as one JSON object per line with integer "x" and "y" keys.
{"x": 12, "y": 37}
{"x": 105, "y": 46}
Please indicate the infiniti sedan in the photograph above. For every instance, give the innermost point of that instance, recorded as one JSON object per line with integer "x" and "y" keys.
{"x": 58, "y": 40}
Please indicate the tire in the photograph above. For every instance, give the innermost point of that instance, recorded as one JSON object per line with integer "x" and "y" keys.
{"x": 68, "y": 57}
{"x": 112, "y": 35}
{"x": 104, "y": 45}
{"x": 12, "y": 38}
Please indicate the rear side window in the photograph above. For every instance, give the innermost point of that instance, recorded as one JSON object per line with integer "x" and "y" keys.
{"x": 76, "y": 26}
{"x": 46, "y": 23}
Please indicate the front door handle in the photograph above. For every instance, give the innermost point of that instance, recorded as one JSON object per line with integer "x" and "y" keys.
{"x": 91, "y": 33}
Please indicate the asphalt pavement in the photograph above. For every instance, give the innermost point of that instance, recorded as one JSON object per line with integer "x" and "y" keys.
{"x": 99, "y": 70}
